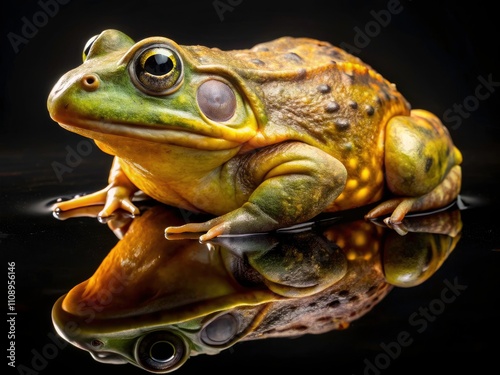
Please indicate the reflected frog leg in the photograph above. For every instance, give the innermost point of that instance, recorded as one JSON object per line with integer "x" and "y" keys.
{"x": 294, "y": 182}
{"x": 118, "y": 194}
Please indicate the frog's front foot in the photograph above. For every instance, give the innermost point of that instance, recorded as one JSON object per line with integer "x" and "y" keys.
{"x": 211, "y": 230}
{"x": 439, "y": 197}
{"x": 112, "y": 197}
{"x": 247, "y": 219}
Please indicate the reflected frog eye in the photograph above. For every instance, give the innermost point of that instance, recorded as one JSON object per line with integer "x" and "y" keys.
{"x": 161, "y": 352}
{"x": 156, "y": 70}
{"x": 221, "y": 330}
{"x": 87, "y": 47}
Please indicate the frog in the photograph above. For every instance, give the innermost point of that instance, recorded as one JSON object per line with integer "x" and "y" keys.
{"x": 155, "y": 304}
{"x": 260, "y": 139}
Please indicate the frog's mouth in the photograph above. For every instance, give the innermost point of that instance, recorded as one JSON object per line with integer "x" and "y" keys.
{"x": 103, "y": 131}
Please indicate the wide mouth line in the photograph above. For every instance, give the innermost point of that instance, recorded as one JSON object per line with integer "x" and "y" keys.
{"x": 166, "y": 134}
{"x": 110, "y": 127}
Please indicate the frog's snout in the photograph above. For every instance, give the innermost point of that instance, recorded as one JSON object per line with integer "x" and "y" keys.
{"x": 71, "y": 85}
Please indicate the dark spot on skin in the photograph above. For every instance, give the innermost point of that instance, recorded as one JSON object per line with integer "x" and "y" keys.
{"x": 378, "y": 100}
{"x": 369, "y": 110}
{"x": 353, "y": 104}
{"x": 332, "y": 107}
{"x": 336, "y": 55}
{"x": 292, "y": 56}
{"x": 324, "y": 89}
{"x": 371, "y": 290}
{"x": 350, "y": 76}
{"x": 341, "y": 123}
{"x": 334, "y": 303}
{"x": 343, "y": 293}
{"x": 258, "y": 62}
{"x": 428, "y": 164}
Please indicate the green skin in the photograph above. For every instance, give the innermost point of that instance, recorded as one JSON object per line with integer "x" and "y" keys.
{"x": 277, "y": 152}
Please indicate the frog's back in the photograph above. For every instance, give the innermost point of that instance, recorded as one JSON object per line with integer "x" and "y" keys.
{"x": 326, "y": 88}
{"x": 310, "y": 91}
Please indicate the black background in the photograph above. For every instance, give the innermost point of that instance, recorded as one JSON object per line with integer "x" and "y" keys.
{"x": 435, "y": 54}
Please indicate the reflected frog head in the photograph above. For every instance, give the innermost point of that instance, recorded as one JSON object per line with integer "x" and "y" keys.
{"x": 155, "y": 302}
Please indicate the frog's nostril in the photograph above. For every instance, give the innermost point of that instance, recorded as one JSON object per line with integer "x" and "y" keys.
{"x": 90, "y": 82}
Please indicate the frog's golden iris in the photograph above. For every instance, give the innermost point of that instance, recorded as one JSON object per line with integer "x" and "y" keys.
{"x": 261, "y": 138}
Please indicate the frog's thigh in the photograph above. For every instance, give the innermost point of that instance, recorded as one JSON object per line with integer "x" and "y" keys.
{"x": 418, "y": 154}
{"x": 421, "y": 166}
{"x": 298, "y": 181}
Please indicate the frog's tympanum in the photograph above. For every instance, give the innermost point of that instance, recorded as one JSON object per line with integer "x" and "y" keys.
{"x": 155, "y": 303}
{"x": 261, "y": 139}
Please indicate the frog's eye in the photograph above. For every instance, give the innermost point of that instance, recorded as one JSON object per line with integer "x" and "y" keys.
{"x": 157, "y": 70}
{"x": 161, "y": 351}
{"x": 87, "y": 47}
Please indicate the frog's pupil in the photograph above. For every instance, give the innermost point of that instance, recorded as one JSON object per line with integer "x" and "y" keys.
{"x": 158, "y": 64}
{"x": 162, "y": 351}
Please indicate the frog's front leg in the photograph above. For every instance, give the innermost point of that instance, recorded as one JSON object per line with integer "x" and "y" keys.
{"x": 118, "y": 194}
{"x": 288, "y": 183}
{"x": 421, "y": 164}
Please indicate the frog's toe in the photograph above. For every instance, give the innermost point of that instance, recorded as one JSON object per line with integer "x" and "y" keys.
{"x": 82, "y": 201}
{"x": 210, "y": 229}
{"x": 384, "y": 208}
{"x": 439, "y": 197}
{"x": 401, "y": 210}
{"x": 118, "y": 198}
{"x": 399, "y": 228}
{"x": 116, "y": 204}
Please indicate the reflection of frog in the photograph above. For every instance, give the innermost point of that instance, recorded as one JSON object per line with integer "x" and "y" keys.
{"x": 263, "y": 138}
{"x": 154, "y": 303}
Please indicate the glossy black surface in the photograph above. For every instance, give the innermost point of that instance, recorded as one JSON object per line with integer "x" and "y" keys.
{"x": 440, "y": 57}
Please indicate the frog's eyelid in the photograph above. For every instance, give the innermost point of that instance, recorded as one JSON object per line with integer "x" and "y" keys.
{"x": 88, "y": 47}
{"x": 146, "y": 44}
{"x": 155, "y": 84}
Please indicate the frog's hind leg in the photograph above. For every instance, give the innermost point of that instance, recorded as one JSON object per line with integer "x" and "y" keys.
{"x": 421, "y": 166}
{"x": 442, "y": 195}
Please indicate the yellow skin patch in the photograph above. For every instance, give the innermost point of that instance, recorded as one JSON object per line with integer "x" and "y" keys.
{"x": 261, "y": 138}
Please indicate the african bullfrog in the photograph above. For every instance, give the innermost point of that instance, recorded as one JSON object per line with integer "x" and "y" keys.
{"x": 155, "y": 303}
{"x": 262, "y": 139}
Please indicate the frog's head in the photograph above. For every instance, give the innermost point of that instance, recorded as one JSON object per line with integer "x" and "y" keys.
{"x": 153, "y": 90}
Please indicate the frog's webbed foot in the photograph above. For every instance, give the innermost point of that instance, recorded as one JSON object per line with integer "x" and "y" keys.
{"x": 112, "y": 197}
{"x": 118, "y": 194}
{"x": 439, "y": 197}
{"x": 247, "y": 219}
